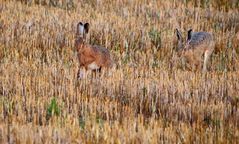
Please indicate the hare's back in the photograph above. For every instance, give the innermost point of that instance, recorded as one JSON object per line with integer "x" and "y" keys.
{"x": 199, "y": 38}
{"x": 101, "y": 50}
{"x": 103, "y": 56}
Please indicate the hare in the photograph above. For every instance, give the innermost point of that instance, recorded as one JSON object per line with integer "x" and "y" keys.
{"x": 197, "y": 45}
{"x": 91, "y": 57}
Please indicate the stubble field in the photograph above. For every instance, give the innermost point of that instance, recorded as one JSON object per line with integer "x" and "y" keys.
{"x": 147, "y": 98}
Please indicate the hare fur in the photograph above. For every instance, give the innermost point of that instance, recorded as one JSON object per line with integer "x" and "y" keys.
{"x": 91, "y": 57}
{"x": 198, "y": 44}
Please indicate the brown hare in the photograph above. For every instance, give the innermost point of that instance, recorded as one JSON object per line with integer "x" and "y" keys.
{"x": 198, "y": 44}
{"x": 91, "y": 57}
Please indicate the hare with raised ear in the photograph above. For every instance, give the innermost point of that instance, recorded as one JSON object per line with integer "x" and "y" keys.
{"x": 198, "y": 44}
{"x": 91, "y": 57}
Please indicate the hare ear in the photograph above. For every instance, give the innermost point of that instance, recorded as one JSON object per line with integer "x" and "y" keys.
{"x": 179, "y": 35}
{"x": 189, "y": 34}
{"x": 180, "y": 40}
{"x": 80, "y": 28}
{"x": 86, "y": 27}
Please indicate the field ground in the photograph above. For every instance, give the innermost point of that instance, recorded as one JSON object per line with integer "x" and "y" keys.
{"x": 148, "y": 98}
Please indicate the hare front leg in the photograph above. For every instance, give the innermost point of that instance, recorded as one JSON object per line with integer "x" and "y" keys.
{"x": 81, "y": 73}
{"x": 207, "y": 55}
{"x": 197, "y": 62}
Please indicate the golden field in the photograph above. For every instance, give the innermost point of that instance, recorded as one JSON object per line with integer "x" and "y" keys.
{"x": 147, "y": 98}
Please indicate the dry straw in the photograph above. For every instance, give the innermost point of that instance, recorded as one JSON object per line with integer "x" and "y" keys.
{"x": 148, "y": 98}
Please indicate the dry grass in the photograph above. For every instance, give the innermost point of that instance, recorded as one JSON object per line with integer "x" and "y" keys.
{"x": 147, "y": 99}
